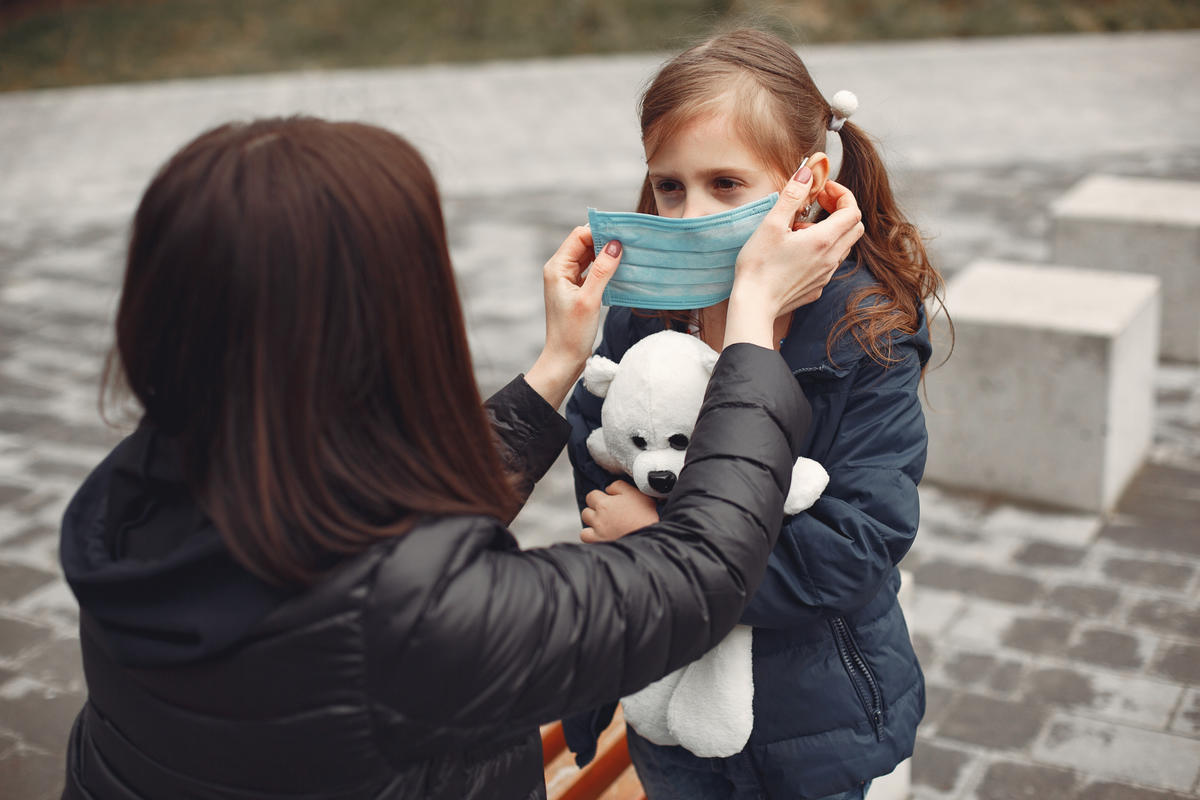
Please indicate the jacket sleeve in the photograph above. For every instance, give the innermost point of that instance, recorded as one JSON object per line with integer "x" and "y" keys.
{"x": 515, "y": 638}
{"x": 529, "y": 431}
{"x": 832, "y": 559}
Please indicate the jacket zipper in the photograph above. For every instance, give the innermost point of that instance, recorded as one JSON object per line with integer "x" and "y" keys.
{"x": 857, "y": 667}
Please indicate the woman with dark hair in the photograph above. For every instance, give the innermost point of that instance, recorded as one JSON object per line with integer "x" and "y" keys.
{"x": 295, "y": 578}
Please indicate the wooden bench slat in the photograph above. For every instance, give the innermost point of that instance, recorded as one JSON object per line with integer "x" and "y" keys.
{"x": 609, "y": 776}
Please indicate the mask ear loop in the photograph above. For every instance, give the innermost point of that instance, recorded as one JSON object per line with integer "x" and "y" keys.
{"x": 809, "y": 213}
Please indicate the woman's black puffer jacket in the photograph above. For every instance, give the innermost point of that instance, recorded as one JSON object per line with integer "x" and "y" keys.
{"x": 422, "y": 666}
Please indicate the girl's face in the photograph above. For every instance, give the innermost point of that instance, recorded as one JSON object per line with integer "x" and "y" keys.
{"x": 706, "y": 168}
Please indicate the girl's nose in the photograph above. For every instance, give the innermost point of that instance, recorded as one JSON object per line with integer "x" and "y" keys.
{"x": 698, "y": 207}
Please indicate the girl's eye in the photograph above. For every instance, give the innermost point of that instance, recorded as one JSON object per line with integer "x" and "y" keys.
{"x": 678, "y": 441}
{"x": 638, "y": 442}
{"x": 666, "y": 187}
{"x": 725, "y": 184}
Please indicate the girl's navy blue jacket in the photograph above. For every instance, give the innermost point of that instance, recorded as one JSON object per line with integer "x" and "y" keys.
{"x": 838, "y": 691}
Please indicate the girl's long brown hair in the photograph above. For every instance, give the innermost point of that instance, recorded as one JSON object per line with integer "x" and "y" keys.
{"x": 289, "y": 315}
{"x": 779, "y": 112}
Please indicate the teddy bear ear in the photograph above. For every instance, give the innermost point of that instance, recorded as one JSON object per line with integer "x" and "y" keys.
{"x": 598, "y": 374}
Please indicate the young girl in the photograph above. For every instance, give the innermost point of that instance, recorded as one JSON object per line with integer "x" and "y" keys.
{"x": 838, "y": 691}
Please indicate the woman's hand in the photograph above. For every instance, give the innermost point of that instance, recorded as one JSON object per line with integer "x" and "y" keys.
{"x": 781, "y": 268}
{"x": 618, "y": 510}
{"x": 572, "y": 312}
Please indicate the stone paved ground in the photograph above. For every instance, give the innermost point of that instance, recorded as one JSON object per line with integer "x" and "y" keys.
{"x": 1062, "y": 650}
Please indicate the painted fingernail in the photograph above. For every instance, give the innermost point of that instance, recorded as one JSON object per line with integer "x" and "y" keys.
{"x": 613, "y": 248}
{"x": 804, "y": 175}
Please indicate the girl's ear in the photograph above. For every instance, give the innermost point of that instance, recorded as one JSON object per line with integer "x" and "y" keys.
{"x": 819, "y": 164}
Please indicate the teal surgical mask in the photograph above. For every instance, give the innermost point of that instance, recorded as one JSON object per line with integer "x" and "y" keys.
{"x": 675, "y": 263}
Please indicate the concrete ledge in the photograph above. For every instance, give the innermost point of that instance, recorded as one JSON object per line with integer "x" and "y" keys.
{"x": 1139, "y": 225}
{"x": 1048, "y": 396}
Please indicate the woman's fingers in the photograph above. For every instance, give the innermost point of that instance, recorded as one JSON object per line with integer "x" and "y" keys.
{"x": 602, "y": 269}
{"x": 790, "y": 201}
{"x": 574, "y": 254}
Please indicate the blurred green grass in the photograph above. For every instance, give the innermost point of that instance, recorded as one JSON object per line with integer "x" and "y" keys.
{"x": 45, "y": 43}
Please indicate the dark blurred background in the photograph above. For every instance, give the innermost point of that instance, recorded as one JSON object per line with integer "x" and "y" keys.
{"x": 45, "y": 43}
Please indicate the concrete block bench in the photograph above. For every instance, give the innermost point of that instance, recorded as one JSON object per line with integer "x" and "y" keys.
{"x": 1139, "y": 225}
{"x": 1049, "y": 394}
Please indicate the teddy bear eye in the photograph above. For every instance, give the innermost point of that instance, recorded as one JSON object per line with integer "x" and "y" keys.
{"x": 678, "y": 441}
{"x": 638, "y": 442}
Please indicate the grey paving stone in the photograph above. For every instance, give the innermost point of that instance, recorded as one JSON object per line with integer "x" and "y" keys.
{"x": 1107, "y": 790}
{"x": 931, "y": 611}
{"x": 1170, "y": 535}
{"x": 1041, "y": 635}
{"x": 30, "y": 534}
{"x": 987, "y": 722}
{"x": 1119, "y": 752}
{"x": 10, "y": 494}
{"x": 938, "y": 767}
{"x": 923, "y": 647}
{"x": 12, "y": 387}
{"x": 982, "y": 624}
{"x": 966, "y": 669}
{"x": 978, "y": 581}
{"x": 1110, "y": 648}
{"x": 1167, "y": 615}
{"x": 1060, "y": 686}
{"x": 1083, "y": 601}
{"x": 1045, "y": 525}
{"x": 31, "y": 775}
{"x": 1187, "y": 717}
{"x": 1006, "y": 677}
{"x": 18, "y": 580}
{"x": 1163, "y": 480}
{"x": 1046, "y": 554}
{"x": 1006, "y": 780}
{"x": 1158, "y": 574}
{"x": 1164, "y": 502}
{"x": 1179, "y": 662}
{"x": 40, "y": 715}
{"x": 18, "y": 636}
{"x": 58, "y": 663}
{"x": 937, "y": 700}
{"x": 53, "y": 468}
{"x": 1117, "y": 698}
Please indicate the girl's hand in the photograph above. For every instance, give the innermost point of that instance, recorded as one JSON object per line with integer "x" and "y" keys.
{"x": 781, "y": 269}
{"x": 572, "y": 312}
{"x": 618, "y": 510}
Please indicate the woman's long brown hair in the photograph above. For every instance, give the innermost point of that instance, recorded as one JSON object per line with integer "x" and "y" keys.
{"x": 779, "y": 112}
{"x": 289, "y": 315}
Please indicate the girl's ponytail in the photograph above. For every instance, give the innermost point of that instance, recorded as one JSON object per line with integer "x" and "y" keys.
{"x": 891, "y": 248}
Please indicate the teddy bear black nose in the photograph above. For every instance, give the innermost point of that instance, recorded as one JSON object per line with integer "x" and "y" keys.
{"x": 661, "y": 480}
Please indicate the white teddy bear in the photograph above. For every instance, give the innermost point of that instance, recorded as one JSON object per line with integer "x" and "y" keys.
{"x": 651, "y": 401}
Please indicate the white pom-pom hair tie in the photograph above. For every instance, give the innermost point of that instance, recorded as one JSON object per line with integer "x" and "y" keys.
{"x": 843, "y": 105}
